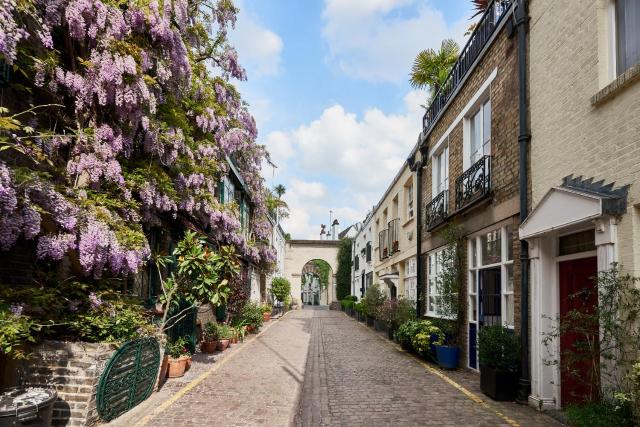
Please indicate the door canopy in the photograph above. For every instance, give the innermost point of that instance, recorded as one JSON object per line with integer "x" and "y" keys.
{"x": 577, "y": 200}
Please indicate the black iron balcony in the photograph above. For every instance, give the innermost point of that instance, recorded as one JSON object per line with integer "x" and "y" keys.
{"x": 474, "y": 183}
{"x": 495, "y": 13}
{"x": 394, "y": 227}
{"x": 437, "y": 210}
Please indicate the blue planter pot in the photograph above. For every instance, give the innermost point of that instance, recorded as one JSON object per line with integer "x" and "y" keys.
{"x": 448, "y": 356}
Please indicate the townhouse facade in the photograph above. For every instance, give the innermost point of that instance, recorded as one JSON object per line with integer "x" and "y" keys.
{"x": 584, "y": 106}
{"x": 394, "y": 224}
{"x": 362, "y": 257}
{"x": 468, "y": 152}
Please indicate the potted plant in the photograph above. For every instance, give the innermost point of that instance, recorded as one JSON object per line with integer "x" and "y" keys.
{"x": 394, "y": 312}
{"x": 499, "y": 354}
{"x": 179, "y": 357}
{"x": 251, "y": 316}
{"x": 450, "y": 307}
{"x": 427, "y": 339}
{"x": 266, "y": 312}
{"x": 224, "y": 336}
{"x": 373, "y": 298}
{"x": 209, "y": 338}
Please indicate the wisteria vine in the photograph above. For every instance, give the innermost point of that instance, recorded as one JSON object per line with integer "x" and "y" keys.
{"x": 138, "y": 119}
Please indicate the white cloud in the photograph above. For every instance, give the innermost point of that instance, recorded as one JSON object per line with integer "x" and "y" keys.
{"x": 377, "y": 40}
{"x": 259, "y": 48}
{"x": 352, "y": 159}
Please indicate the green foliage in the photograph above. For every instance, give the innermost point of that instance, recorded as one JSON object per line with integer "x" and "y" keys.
{"x": 251, "y": 315}
{"x": 112, "y": 321}
{"x": 359, "y": 307}
{"x": 605, "y": 332}
{"x": 266, "y": 308}
{"x": 599, "y": 414}
{"x": 395, "y": 312}
{"x": 373, "y": 299}
{"x": 324, "y": 272}
{"x": 280, "y": 288}
{"x": 15, "y": 331}
{"x": 225, "y": 332}
{"x": 499, "y": 348}
{"x": 343, "y": 273}
{"x": 210, "y": 331}
{"x": 417, "y": 335}
{"x": 201, "y": 275}
{"x": 178, "y": 348}
{"x": 430, "y": 68}
{"x": 347, "y": 303}
{"x": 449, "y": 280}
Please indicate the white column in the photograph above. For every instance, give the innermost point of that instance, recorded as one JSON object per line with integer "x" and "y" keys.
{"x": 606, "y": 239}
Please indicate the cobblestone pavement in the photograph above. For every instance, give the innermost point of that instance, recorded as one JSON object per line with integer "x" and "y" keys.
{"x": 320, "y": 367}
{"x": 355, "y": 376}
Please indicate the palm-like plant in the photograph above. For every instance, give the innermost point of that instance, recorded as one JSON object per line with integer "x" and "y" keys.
{"x": 279, "y": 190}
{"x": 430, "y": 68}
{"x": 480, "y": 6}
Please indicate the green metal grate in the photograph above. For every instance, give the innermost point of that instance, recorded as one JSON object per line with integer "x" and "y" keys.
{"x": 128, "y": 378}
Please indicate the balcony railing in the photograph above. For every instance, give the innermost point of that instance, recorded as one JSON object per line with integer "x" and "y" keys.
{"x": 474, "y": 183}
{"x": 394, "y": 231}
{"x": 383, "y": 244}
{"x": 494, "y": 14}
{"x": 437, "y": 210}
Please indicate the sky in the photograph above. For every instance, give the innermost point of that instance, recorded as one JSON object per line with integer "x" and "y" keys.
{"x": 328, "y": 86}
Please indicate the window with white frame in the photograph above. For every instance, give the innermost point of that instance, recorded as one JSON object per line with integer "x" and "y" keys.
{"x": 479, "y": 134}
{"x": 410, "y": 279}
{"x": 440, "y": 171}
{"x": 435, "y": 268}
{"x": 627, "y": 34}
{"x": 492, "y": 251}
{"x": 409, "y": 196}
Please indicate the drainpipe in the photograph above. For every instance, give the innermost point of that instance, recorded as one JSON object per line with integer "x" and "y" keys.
{"x": 416, "y": 166}
{"x": 522, "y": 19}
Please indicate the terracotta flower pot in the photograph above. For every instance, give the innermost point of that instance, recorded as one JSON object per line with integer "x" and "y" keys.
{"x": 266, "y": 317}
{"x": 222, "y": 344}
{"x": 177, "y": 366}
{"x": 188, "y": 364}
{"x": 208, "y": 346}
{"x": 164, "y": 366}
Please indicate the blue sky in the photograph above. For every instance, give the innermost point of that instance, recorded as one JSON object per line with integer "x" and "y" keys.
{"x": 328, "y": 87}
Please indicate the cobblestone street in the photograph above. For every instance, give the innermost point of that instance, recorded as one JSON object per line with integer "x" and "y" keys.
{"x": 352, "y": 376}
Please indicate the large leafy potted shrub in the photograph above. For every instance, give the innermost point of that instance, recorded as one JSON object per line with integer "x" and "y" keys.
{"x": 450, "y": 307}
{"x": 427, "y": 339}
{"x": 373, "y": 299}
{"x": 251, "y": 316}
{"x": 394, "y": 312}
{"x": 499, "y": 354}
{"x": 266, "y": 312}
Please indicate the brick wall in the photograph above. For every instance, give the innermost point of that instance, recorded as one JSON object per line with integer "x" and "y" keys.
{"x": 503, "y": 204}
{"x": 570, "y": 134}
{"x": 74, "y": 370}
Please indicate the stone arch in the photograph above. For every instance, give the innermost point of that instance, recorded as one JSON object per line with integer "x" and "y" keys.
{"x": 313, "y": 291}
{"x": 299, "y": 253}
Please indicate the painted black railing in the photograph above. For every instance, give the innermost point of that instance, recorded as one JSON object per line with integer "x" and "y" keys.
{"x": 474, "y": 183}
{"x": 394, "y": 231}
{"x": 494, "y": 14}
{"x": 437, "y": 210}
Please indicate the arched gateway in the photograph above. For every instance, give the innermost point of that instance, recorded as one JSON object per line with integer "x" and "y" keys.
{"x": 304, "y": 271}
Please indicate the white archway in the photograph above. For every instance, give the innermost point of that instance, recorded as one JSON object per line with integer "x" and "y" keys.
{"x": 299, "y": 252}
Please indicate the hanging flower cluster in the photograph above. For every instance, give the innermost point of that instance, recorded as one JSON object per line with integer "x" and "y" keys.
{"x": 136, "y": 121}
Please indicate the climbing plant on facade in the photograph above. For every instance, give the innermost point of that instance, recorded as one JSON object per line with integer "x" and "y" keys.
{"x": 343, "y": 273}
{"x": 120, "y": 116}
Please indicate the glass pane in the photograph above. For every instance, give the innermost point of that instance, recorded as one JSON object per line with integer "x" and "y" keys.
{"x": 486, "y": 122}
{"x": 474, "y": 253}
{"x": 473, "y": 309}
{"x": 509, "y": 279}
{"x": 583, "y": 241}
{"x": 473, "y": 283}
{"x": 432, "y": 306}
{"x": 508, "y": 303}
{"x": 510, "y": 243}
{"x": 476, "y": 137}
{"x": 627, "y": 34}
{"x": 491, "y": 247}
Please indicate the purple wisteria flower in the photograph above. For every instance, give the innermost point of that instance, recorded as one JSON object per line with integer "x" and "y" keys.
{"x": 16, "y": 309}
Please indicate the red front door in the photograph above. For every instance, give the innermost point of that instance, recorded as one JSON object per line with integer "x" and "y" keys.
{"x": 578, "y": 291}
